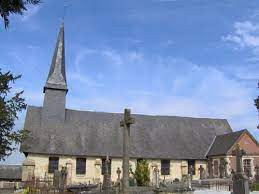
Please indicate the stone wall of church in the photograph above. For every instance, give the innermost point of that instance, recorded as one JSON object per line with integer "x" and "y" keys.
{"x": 178, "y": 168}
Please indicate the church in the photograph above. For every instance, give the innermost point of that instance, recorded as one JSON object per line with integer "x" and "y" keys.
{"x": 81, "y": 140}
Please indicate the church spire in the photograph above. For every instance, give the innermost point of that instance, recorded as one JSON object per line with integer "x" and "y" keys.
{"x": 57, "y": 74}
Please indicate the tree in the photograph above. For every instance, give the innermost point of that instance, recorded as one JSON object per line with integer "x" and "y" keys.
{"x": 8, "y": 7}
{"x": 142, "y": 174}
{"x": 10, "y": 105}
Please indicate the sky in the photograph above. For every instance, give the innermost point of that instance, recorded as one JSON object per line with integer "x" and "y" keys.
{"x": 192, "y": 58}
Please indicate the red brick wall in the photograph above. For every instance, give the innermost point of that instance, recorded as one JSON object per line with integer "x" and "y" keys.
{"x": 246, "y": 143}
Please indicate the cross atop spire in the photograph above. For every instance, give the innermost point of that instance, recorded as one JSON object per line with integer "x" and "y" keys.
{"x": 57, "y": 74}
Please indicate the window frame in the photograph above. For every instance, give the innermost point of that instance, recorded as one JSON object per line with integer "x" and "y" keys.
{"x": 80, "y": 166}
{"x": 191, "y": 163}
{"x": 165, "y": 167}
{"x": 216, "y": 167}
{"x": 53, "y": 164}
{"x": 247, "y": 166}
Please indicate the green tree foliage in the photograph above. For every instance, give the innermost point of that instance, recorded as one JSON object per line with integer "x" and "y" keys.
{"x": 10, "y": 105}
{"x": 142, "y": 174}
{"x": 8, "y": 7}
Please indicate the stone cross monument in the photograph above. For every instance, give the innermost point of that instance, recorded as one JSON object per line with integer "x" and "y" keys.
{"x": 240, "y": 182}
{"x": 125, "y": 123}
{"x": 107, "y": 175}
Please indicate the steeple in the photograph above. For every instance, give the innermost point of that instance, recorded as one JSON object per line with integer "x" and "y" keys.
{"x": 57, "y": 73}
{"x": 55, "y": 89}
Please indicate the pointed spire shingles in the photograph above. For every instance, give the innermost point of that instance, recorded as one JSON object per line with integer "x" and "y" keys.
{"x": 57, "y": 74}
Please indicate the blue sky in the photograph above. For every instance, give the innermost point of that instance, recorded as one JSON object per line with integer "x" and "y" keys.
{"x": 163, "y": 57}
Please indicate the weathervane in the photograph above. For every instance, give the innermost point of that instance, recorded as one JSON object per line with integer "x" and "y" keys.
{"x": 66, "y": 4}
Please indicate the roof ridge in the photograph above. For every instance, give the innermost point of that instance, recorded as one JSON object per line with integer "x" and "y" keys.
{"x": 141, "y": 114}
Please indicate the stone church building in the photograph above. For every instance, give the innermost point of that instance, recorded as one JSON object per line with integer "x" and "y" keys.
{"x": 81, "y": 140}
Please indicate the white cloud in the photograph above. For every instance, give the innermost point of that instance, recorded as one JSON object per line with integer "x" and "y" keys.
{"x": 246, "y": 35}
{"x": 83, "y": 79}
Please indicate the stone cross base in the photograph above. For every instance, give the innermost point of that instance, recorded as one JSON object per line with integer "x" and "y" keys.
{"x": 240, "y": 186}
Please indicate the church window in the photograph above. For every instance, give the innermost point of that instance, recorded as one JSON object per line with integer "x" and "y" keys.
{"x": 216, "y": 167}
{"x": 53, "y": 164}
{"x": 247, "y": 167}
{"x": 191, "y": 167}
{"x": 80, "y": 165}
{"x": 103, "y": 166}
{"x": 165, "y": 167}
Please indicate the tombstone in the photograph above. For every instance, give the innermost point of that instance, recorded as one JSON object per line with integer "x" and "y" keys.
{"x": 223, "y": 168}
{"x": 202, "y": 172}
{"x": 240, "y": 182}
{"x": 257, "y": 174}
{"x": 157, "y": 183}
{"x": 56, "y": 179}
{"x": 107, "y": 175}
{"x": 125, "y": 123}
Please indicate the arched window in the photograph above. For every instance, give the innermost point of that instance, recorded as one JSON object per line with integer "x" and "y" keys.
{"x": 247, "y": 167}
{"x": 216, "y": 167}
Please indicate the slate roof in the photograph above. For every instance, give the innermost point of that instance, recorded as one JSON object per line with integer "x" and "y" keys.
{"x": 86, "y": 133}
{"x": 10, "y": 172}
{"x": 223, "y": 143}
{"x": 57, "y": 74}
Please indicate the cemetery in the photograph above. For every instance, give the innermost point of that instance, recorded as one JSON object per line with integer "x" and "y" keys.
{"x": 129, "y": 153}
{"x": 93, "y": 152}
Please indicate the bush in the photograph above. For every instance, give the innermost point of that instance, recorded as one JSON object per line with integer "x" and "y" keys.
{"x": 142, "y": 174}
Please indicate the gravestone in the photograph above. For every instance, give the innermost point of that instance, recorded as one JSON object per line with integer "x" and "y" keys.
{"x": 240, "y": 182}
{"x": 107, "y": 175}
{"x": 56, "y": 179}
{"x": 257, "y": 173}
{"x": 202, "y": 172}
{"x": 125, "y": 123}
{"x": 59, "y": 179}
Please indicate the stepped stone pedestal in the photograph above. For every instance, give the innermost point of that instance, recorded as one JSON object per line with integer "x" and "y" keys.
{"x": 240, "y": 181}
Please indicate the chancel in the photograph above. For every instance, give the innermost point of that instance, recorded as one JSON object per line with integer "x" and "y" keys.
{"x": 79, "y": 141}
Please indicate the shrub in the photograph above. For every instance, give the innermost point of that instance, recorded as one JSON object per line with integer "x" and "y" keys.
{"x": 142, "y": 174}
